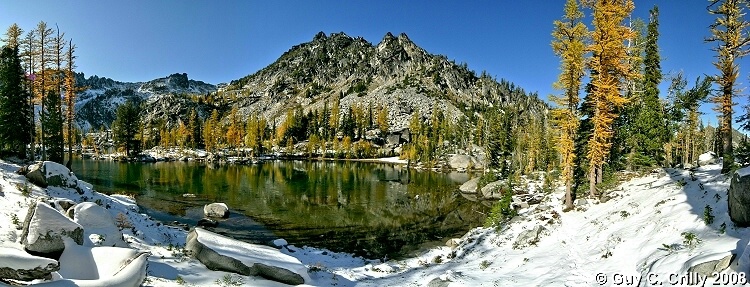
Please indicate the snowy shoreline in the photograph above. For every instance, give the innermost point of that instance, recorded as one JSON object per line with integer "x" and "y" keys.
{"x": 639, "y": 233}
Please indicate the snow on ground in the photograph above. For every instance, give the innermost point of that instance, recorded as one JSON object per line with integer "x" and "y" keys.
{"x": 639, "y": 234}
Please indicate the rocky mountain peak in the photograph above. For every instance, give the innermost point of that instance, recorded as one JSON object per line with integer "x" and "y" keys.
{"x": 321, "y": 36}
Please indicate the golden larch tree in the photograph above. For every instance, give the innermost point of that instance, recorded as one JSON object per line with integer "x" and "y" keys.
{"x": 610, "y": 70}
{"x": 730, "y": 32}
{"x": 569, "y": 44}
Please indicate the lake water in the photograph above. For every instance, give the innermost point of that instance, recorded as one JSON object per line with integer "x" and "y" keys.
{"x": 369, "y": 209}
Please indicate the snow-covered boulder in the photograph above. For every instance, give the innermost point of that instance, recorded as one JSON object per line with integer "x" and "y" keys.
{"x": 98, "y": 225}
{"x": 216, "y": 210}
{"x": 44, "y": 229}
{"x": 708, "y": 158}
{"x": 223, "y": 253}
{"x": 739, "y": 197}
{"x": 529, "y": 237}
{"x": 100, "y": 266}
{"x": 49, "y": 173}
{"x": 710, "y": 267}
{"x": 18, "y": 265}
{"x": 469, "y": 186}
{"x": 63, "y": 204}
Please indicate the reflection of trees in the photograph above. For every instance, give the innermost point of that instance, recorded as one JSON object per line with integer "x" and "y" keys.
{"x": 340, "y": 205}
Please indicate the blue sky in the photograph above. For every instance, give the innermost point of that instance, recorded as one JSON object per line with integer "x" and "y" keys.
{"x": 219, "y": 41}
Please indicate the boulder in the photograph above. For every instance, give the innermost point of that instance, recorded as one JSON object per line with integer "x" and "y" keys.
{"x": 708, "y": 158}
{"x": 393, "y": 139}
{"x": 216, "y": 210}
{"x": 100, "y": 266}
{"x": 739, "y": 197}
{"x": 16, "y": 264}
{"x": 461, "y": 161}
{"x": 222, "y": 253}
{"x": 453, "y": 243}
{"x": 529, "y": 237}
{"x": 469, "y": 186}
{"x": 98, "y": 225}
{"x": 205, "y": 222}
{"x": 493, "y": 190}
{"x": 713, "y": 266}
{"x": 64, "y": 204}
{"x": 49, "y": 173}
{"x": 44, "y": 229}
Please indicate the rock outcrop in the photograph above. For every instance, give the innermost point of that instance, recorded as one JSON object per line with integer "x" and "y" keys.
{"x": 529, "y": 237}
{"x": 223, "y": 253}
{"x": 469, "y": 186}
{"x": 44, "y": 229}
{"x": 219, "y": 210}
{"x": 739, "y": 197}
{"x": 18, "y": 265}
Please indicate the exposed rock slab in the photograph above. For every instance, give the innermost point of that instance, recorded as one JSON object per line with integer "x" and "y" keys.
{"x": 709, "y": 267}
{"x": 18, "y": 265}
{"x": 223, "y": 253}
{"x": 529, "y": 237}
{"x": 44, "y": 229}
{"x": 739, "y": 197}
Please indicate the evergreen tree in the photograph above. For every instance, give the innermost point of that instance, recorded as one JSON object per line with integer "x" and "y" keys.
{"x": 52, "y": 119}
{"x": 569, "y": 45}
{"x": 650, "y": 121}
{"x": 43, "y": 39}
{"x": 126, "y": 126}
{"x": 730, "y": 32}
{"x": 610, "y": 61}
{"x": 15, "y": 118}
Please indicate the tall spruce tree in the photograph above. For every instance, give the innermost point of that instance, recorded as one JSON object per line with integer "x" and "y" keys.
{"x": 610, "y": 61}
{"x": 730, "y": 33}
{"x": 569, "y": 44}
{"x": 15, "y": 118}
{"x": 70, "y": 96}
{"x": 649, "y": 123}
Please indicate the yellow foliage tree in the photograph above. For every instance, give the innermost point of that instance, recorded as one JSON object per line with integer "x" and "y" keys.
{"x": 569, "y": 44}
{"x": 610, "y": 69}
{"x": 730, "y": 31}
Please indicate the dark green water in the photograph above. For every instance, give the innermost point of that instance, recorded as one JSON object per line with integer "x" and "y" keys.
{"x": 369, "y": 209}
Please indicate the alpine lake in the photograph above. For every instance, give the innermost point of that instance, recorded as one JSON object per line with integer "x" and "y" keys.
{"x": 374, "y": 210}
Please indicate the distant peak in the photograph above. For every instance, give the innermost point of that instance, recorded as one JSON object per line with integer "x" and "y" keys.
{"x": 403, "y": 37}
{"x": 320, "y": 36}
{"x": 389, "y": 36}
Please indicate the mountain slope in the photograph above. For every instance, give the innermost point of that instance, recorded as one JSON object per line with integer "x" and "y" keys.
{"x": 95, "y": 106}
{"x": 395, "y": 73}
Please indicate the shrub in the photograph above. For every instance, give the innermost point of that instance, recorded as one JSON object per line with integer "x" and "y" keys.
{"x": 502, "y": 210}
{"x": 708, "y": 216}
{"x": 690, "y": 240}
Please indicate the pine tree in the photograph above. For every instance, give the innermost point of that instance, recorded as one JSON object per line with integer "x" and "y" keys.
{"x": 569, "y": 45}
{"x": 15, "y": 118}
{"x": 610, "y": 61}
{"x": 13, "y": 36}
{"x": 126, "y": 126}
{"x": 730, "y": 32}
{"x": 52, "y": 119}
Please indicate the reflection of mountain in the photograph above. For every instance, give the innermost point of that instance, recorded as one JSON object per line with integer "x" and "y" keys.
{"x": 369, "y": 209}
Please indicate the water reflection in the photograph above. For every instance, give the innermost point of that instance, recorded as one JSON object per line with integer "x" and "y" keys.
{"x": 369, "y": 209}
